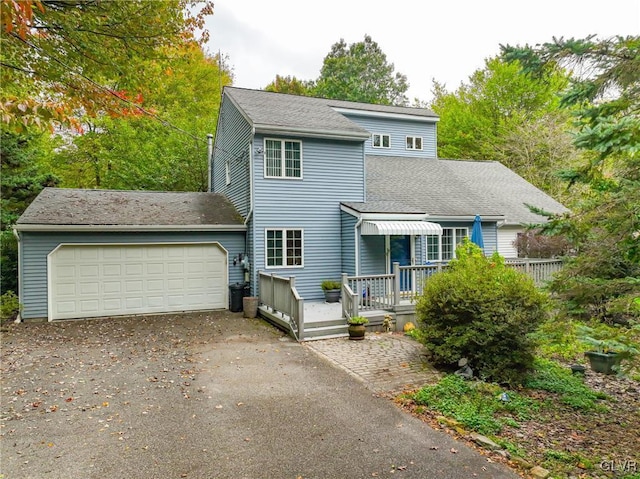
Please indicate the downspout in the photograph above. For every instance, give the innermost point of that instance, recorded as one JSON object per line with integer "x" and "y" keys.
{"x": 250, "y": 213}
{"x": 357, "y": 242}
{"x": 209, "y": 161}
{"x": 17, "y": 235}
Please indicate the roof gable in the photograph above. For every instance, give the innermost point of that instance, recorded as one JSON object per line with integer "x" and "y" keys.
{"x": 270, "y": 112}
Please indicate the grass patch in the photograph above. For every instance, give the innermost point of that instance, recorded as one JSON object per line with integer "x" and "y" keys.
{"x": 475, "y": 405}
{"x": 550, "y": 376}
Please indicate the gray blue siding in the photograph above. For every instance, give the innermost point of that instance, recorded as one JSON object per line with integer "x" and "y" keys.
{"x": 348, "y": 223}
{"x": 333, "y": 171}
{"x": 232, "y": 144}
{"x": 399, "y": 130}
{"x": 372, "y": 255}
{"x": 36, "y": 246}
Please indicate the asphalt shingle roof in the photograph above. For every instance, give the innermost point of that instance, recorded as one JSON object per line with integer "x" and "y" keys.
{"x": 444, "y": 188}
{"x": 307, "y": 114}
{"x": 60, "y": 206}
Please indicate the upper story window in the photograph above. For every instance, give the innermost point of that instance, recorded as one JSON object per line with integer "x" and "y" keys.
{"x": 414, "y": 143}
{"x": 379, "y": 140}
{"x": 282, "y": 158}
{"x": 283, "y": 248}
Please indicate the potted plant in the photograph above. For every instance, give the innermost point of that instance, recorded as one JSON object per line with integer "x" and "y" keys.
{"x": 331, "y": 290}
{"x": 610, "y": 347}
{"x": 357, "y": 327}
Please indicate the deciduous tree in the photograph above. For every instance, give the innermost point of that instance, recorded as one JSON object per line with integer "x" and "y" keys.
{"x": 64, "y": 58}
{"x": 361, "y": 72}
{"x": 504, "y": 116}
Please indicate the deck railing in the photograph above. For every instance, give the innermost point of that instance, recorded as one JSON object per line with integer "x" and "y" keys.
{"x": 541, "y": 270}
{"x": 383, "y": 291}
{"x": 374, "y": 291}
{"x": 349, "y": 299}
{"x": 281, "y": 296}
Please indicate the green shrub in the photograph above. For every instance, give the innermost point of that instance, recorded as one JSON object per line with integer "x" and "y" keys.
{"x": 482, "y": 310}
{"x": 475, "y": 405}
{"x": 9, "y": 306}
{"x": 558, "y": 338}
{"x": 550, "y": 376}
{"x": 329, "y": 284}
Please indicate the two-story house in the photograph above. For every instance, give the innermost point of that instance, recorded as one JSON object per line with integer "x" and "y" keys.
{"x": 299, "y": 186}
{"x": 329, "y": 187}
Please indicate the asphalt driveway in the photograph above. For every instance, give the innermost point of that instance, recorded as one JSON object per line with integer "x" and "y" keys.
{"x": 202, "y": 396}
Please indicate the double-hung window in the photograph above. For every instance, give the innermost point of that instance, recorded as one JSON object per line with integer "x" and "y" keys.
{"x": 451, "y": 238}
{"x": 414, "y": 143}
{"x": 284, "y": 248}
{"x": 282, "y": 158}
{"x": 378, "y": 140}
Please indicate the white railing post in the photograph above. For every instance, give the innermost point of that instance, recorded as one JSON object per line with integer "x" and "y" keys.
{"x": 396, "y": 283}
{"x": 273, "y": 294}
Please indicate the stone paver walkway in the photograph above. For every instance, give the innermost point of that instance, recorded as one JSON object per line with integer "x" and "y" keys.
{"x": 386, "y": 363}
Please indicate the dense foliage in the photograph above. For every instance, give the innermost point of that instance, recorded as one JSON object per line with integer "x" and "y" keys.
{"x": 22, "y": 177}
{"x": 481, "y": 310}
{"x": 124, "y": 86}
{"x": 356, "y": 72}
{"x": 604, "y": 229}
{"x": 503, "y": 116}
{"x": 63, "y": 57}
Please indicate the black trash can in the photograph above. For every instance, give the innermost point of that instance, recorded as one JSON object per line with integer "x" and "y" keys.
{"x": 237, "y": 292}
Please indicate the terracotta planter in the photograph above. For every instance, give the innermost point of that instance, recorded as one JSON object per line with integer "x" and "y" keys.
{"x": 250, "y": 306}
{"x": 356, "y": 332}
{"x": 605, "y": 363}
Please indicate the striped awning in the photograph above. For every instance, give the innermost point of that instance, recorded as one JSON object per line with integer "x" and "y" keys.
{"x": 400, "y": 228}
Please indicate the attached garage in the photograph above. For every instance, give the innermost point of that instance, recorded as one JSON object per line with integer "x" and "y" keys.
{"x": 109, "y": 280}
{"x": 79, "y": 268}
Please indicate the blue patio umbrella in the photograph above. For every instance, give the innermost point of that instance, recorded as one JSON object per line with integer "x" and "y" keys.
{"x": 476, "y": 232}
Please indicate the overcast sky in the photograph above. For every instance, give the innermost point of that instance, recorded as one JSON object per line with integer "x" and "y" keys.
{"x": 446, "y": 40}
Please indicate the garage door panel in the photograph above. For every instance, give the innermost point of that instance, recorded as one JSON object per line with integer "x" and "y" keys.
{"x": 133, "y": 286}
{"x": 65, "y": 271}
{"x": 155, "y": 268}
{"x": 156, "y": 302}
{"x": 104, "y": 280}
{"x": 64, "y": 307}
{"x": 90, "y": 288}
{"x": 88, "y": 271}
{"x": 155, "y": 285}
{"x": 89, "y": 306}
{"x": 133, "y": 252}
{"x": 112, "y": 304}
{"x": 133, "y": 269}
{"x": 87, "y": 254}
{"x": 112, "y": 270}
{"x": 175, "y": 268}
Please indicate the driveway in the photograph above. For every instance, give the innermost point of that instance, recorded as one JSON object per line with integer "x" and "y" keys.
{"x": 209, "y": 395}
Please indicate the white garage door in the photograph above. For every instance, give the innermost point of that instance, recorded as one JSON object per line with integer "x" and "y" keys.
{"x": 108, "y": 280}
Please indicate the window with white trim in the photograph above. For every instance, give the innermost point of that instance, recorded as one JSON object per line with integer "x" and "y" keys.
{"x": 379, "y": 140}
{"x": 282, "y": 158}
{"x": 284, "y": 248}
{"x": 414, "y": 143}
{"x": 451, "y": 238}
{"x": 227, "y": 172}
